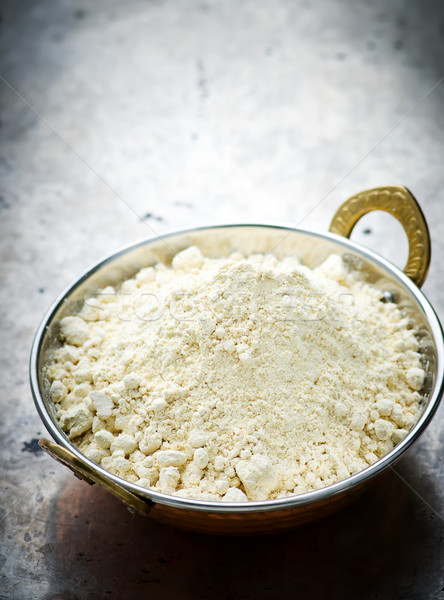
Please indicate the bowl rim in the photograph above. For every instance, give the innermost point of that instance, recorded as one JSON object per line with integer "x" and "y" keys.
{"x": 311, "y": 497}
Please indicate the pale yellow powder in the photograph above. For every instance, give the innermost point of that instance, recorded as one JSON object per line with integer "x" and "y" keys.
{"x": 237, "y": 379}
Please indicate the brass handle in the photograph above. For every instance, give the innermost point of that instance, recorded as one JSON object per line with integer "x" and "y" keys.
{"x": 400, "y": 203}
{"x": 84, "y": 471}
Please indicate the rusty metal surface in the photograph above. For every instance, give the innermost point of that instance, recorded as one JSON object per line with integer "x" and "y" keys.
{"x": 189, "y": 113}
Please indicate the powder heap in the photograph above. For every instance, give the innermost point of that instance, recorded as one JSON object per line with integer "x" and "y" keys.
{"x": 239, "y": 378}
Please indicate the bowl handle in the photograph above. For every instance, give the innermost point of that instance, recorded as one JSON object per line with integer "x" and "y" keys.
{"x": 399, "y": 202}
{"x": 83, "y": 471}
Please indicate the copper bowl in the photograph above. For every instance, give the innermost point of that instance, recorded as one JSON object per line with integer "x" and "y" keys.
{"x": 313, "y": 248}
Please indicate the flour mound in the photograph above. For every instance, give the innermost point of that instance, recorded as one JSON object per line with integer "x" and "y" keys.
{"x": 235, "y": 379}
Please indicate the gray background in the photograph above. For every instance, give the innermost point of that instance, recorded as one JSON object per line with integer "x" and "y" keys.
{"x": 123, "y": 120}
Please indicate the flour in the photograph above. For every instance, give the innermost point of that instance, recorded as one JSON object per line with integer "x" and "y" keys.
{"x": 236, "y": 379}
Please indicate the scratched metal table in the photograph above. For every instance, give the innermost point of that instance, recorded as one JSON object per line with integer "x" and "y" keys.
{"x": 123, "y": 120}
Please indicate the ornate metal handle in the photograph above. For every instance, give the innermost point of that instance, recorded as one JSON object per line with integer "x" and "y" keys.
{"x": 83, "y": 471}
{"x": 400, "y": 203}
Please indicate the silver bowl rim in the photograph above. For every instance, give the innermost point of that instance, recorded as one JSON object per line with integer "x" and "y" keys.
{"x": 323, "y": 494}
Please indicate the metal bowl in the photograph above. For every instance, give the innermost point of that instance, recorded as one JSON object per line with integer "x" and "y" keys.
{"x": 313, "y": 248}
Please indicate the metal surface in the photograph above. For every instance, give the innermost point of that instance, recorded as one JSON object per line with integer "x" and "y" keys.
{"x": 400, "y": 203}
{"x": 198, "y": 112}
{"x": 312, "y": 248}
